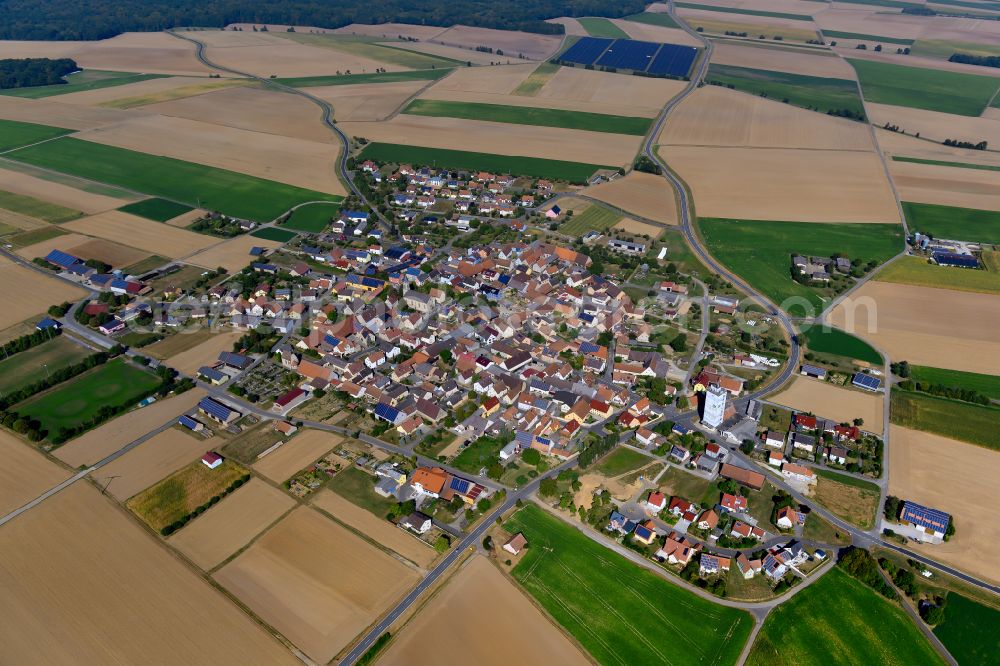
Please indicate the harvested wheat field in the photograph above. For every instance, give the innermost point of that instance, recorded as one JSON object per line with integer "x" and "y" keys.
{"x": 206, "y": 353}
{"x": 231, "y": 524}
{"x": 56, "y": 114}
{"x": 871, "y": 21}
{"x": 151, "y": 461}
{"x": 488, "y": 80}
{"x": 83, "y": 584}
{"x": 926, "y": 326}
{"x": 62, "y": 242}
{"x": 655, "y": 33}
{"x": 643, "y": 194}
{"x": 511, "y": 42}
{"x": 186, "y": 219}
{"x": 786, "y": 184}
{"x": 637, "y": 228}
{"x": 571, "y": 25}
{"x": 778, "y": 59}
{"x": 833, "y": 402}
{"x": 894, "y": 143}
{"x": 110, "y": 253}
{"x": 25, "y": 474}
{"x": 58, "y": 193}
{"x": 464, "y": 55}
{"x": 141, "y": 233}
{"x": 315, "y": 582}
{"x": 101, "y": 96}
{"x": 716, "y": 116}
{"x": 457, "y": 621}
{"x": 183, "y": 92}
{"x": 253, "y": 109}
{"x": 501, "y": 138}
{"x": 721, "y": 22}
{"x": 375, "y": 528}
{"x": 948, "y": 186}
{"x": 625, "y": 95}
{"x": 962, "y": 481}
{"x": 934, "y": 124}
{"x": 297, "y": 162}
{"x": 847, "y": 49}
{"x": 392, "y": 30}
{"x": 233, "y": 254}
{"x": 101, "y": 442}
{"x": 18, "y": 221}
{"x": 298, "y": 453}
{"x": 367, "y": 101}
{"x": 28, "y": 293}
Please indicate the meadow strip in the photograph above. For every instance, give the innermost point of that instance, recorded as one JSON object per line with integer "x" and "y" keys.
{"x": 964, "y": 421}
{"x": 920, "y": 88}
{"x": 14, "y": 133}
{"x": 952, "y": 222}
{"x": 519, "y": 115}
{"x": 36, "y": 208}
{"x": 156, "y": 209}
{"x": 351, "y": 79}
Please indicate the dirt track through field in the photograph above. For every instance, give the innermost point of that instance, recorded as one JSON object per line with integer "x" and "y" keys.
{"x": 25, "y": 473}
{"x": 836, "y": 403}
{"x": 960, "y": 479}
{"x": 465, "y": 618}
{"x": 29, "y": 292}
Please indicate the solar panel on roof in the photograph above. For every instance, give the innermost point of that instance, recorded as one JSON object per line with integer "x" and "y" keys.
{"x": 643, "y": 532}
{"x": 867, "y": 381}
{"x": 187, "y": 422}
{"x": 60, "y": 258}
{"x": 387, "y": 412}
{"x": 588, "y": 348}
{"x": 213, "y": 408}
{"x": 460, "y": 486}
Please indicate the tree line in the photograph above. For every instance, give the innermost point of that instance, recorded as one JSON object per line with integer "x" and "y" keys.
{"x": 101, "y": 19}
{"x": 29, "y": 72}
{"x": 969, "y": 59}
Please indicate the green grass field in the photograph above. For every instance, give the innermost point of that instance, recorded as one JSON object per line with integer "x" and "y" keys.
{"x": 835, "y": 341}
{"x": 944, "y": 49}
{"x": 622, "y": 460}
{"x": 809, "y": 92}
{"x": 745, "y": 12}
{"x": 352, "y": 79}
{"x": 158, "y": 210}
{"x": 274, "y": 234}
{"x": 88, "y": 79}
{"x": 838, "y": 621}
{"x": 619, "y": 612}
{"x": 957, "y": 165}
{"x": 228, "y": 192}
{"x": 312, "y": 218}
{"x": 478, "y": 454}
{"x": 840, "y": 34}
{"x": 761, "y": 252}
{"x": 968, "y": 224}
{"x": 988, "y": 385}
{"x": 602, "y": 27}
{"x": 963, "y": 421}
{"x": 32, "y": 365}
{"x": 536, "y": 80}
{"x": 182, "y": 492}
{"x": 654, "y": 18}
{"x": 14, "y": 134}
{"x": 970, "y": 631}
{"x": 78, "y": 400}
{"x": 359, "y": 487}
{"x": 36, "y": 208}
{"x": 522, "y": 115}
{"x": 918, "y": 271}
{"x": 919, "y": 88}
{"x": 595, "y": 218}
{"x": 533, "y": 167}
{"x": 848, "y": 480}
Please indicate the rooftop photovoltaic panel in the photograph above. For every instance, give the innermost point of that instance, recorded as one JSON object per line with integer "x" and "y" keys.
{"x": 925, "y": 517}
{"x": 387, "y": 412}
{"x": 586, "y": 50}
{"x": 629, "y": 54}
{"x": 673, "y": 60}
{"x": 216, "y": 409}
{"x": 867, "y": 381}
{"x": 460, "y": 486}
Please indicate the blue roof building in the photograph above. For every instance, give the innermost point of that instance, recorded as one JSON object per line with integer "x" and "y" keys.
{"x": 388, "y": 413}
{"x": 955, "y": 260}
{"x": 48, "y": 323}
{"x": 867, "y": 382}
{"x": 216, "y": 411}
{"x": 930, "y": 521}
{"x": 62, "y": 259}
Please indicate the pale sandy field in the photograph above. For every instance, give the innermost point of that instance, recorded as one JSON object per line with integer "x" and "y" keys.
{"x": 58, "y": 193}
{"x": 630, "y": 226}
{"x": 776, "y": 58}
{"x": 299, "y": 452}
{"x": 955, "y": 477}
{"x": 392, "y": 30}
{"x": 316, "y": 582}
{"x": 182, "y": 92}
{"x": 490, "y": 80}
{"x": 83, "y": 584}
{"x": 144, "y": 52}
{"x": 111, "y": 253}
{"x": 151, "y": 461}
{"x": 788, "y": 6}
{"x": 949, "y": 186}
{"x": 29, "y": 293}
{"x": 186, "y": 219}
{"x": 870, "y": 21}
{"x": 925, "y": 326}
{"x": 501, "y": 138}
{"x": 141, "y": 233}
{"x": 894, "y": 143}
{"x": 655, "y": 33}
{"x": 511, "y": 42}
{"x": 719, "y": 23}
{"x": 631, "y": 95}
{"x": 457, "y": 621}
{"x": 233, "y": 254}
{"x": 992, "y": 114}
{"x": 264, "y": 54}
{"x": 716, "y": 116}
{"x": 571, "y": 25}
{"x": 836, "y": 403}
{"x": 42, "y": 248}
{"x": 368, "y": 101}
{"x": 48, "y": 111}
{"x": 206, "y": 353}
{"x": 25, "y": 474}
{"x": 101, "y": 442}
{"x": 375, "y": 528}
{"x": 847, "y": 49}
{"x": 253, "y": 109}
{"x": 465, "y": 55}
{"x": 231, "y": 524}
{"x": 643, "y": 194}
{"x": 785, "y": 184}
{"x": 101, "y": 96}
{"x": 936, "y": 125}
{"x": 297, "y": 162}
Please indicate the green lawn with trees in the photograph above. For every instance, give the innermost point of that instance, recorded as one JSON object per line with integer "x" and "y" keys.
{"x": 826, "y": 340}
{"x": 619, "y": 612}
{"x": 274, "y": 234}
{"x": 358, "y": 487}
{"x": 602, "y": 27}
{"x": 533, "y": 167}
{"x": 839, "y": 621}
{"x": 988, "y": 385}
{"x": 922, "y": 88}
{"x": 964, "y": 421}
{"x": 953, "y": 223}
{"x": 24, "y": 367}
{"x": 480, "y": 453}
{"x": 761, "y": 252}
{"x": 970, "y": 631}
{"x": 14, "y": 133}
{"x": 526, "y": 115}
{"x": 198, "y": 185}
{"x": 156, "y": 209}
{"x": 620, "y": 461}
{"x": 835, "y": 96}
{"x": 595, "y": 218}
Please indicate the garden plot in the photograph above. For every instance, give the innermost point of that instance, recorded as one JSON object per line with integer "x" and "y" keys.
{"x": 153, "y": 237}
{"x": 643, "y": 194}
{"x": 29, "y": 293}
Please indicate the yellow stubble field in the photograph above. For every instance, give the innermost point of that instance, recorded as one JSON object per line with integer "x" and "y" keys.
{"x": 232, "y": 254}
{"x": 639, "y": 193}
{"x": 894, "y": 143}
{"x": 156, "y": 458}
{"x": 836, "y": 403}
{"x": 299, "y": 452}
{"x": 102, "y": 96}
{"x": 934, "y": 124}
{"x": 655, "y": 33}
{"x": 392, "y": 30}
{"x": 141, "y": 233}
{"x": 776, "y": 58}
{"x": 948, "y": 186}
{"x": 25, "y": 473}
{"x": 48, "y": 111}
{"x": 511, "y": 42}
{"x": 58, "y": 193}
{"x": 367, "y": 101}
{"x": 29, "y": 292}
{"x": 316, "y": 582}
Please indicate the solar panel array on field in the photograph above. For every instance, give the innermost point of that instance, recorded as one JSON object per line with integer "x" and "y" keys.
{"x": 650, "y": 57}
